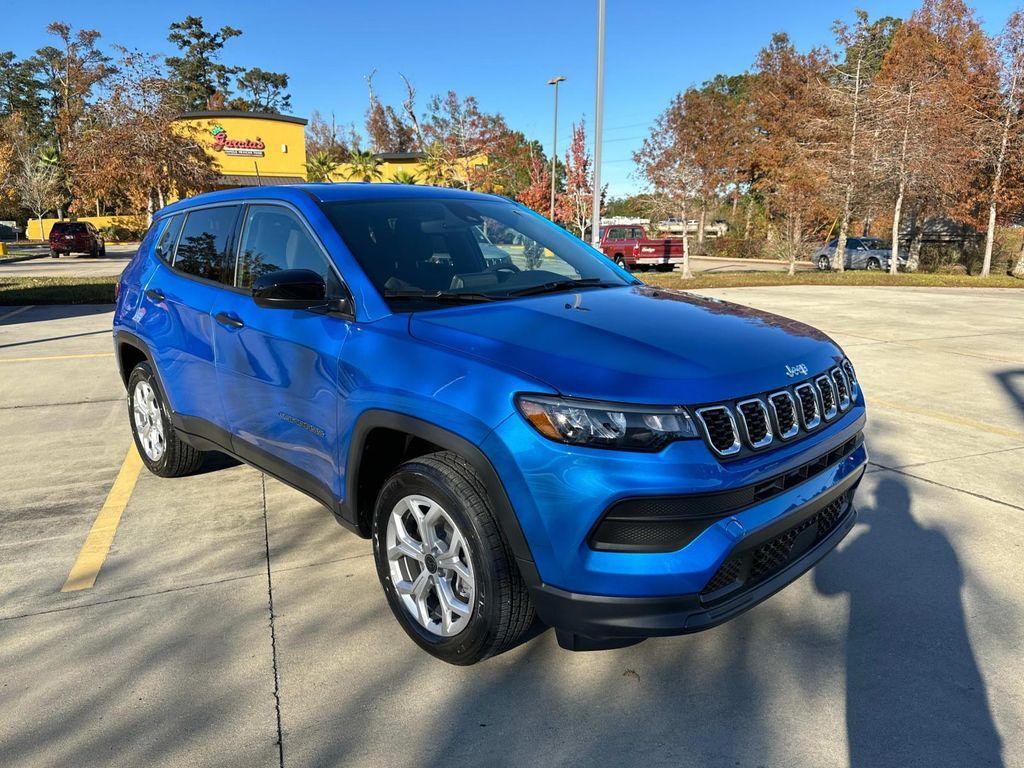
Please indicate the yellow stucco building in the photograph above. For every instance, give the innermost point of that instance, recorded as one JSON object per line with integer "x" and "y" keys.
{"x": 249, "y": 149}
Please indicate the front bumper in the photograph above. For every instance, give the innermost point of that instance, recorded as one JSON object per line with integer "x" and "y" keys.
{"x": 559, "y": 493}
{"x": 599, "y": 616}
{"x": 659, "y": 260}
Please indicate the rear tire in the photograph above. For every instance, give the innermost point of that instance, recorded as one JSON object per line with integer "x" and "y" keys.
{"x": 873, "y": 265}
{"x": 448, "y": 520}
{"x": 621, "y": 262}
{"x": 162, "y": 451}
{"x": 54, "y": 254}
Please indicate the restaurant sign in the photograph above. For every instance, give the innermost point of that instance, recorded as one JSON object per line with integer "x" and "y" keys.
{"x": 246, "y": 147}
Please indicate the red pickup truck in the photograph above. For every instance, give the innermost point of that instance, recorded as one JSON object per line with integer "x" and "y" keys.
{"x": 630, "y": 248}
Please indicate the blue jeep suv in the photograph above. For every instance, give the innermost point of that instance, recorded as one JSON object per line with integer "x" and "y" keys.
{"x": 533, "y": 435}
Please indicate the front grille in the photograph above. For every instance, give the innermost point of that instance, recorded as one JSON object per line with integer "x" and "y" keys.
{"x": 755, "y": 422}
{"x": 747, "y": 569}
{"x": 828, "y": 397}
{"x": 735, "y": 428}
{"x": 785, "y": 414}
{"x": 720, "y": 428}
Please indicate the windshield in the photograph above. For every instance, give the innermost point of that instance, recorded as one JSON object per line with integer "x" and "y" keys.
{"x": 444, "y": 250}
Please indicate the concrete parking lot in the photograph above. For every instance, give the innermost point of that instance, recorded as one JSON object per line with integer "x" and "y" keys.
{"x": 118, "y": 257}
{"x": 234, "y": 623}
{"x": 77, "y": 265}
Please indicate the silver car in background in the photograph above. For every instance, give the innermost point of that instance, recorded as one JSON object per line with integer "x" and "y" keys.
{"x": 861, "y": 253}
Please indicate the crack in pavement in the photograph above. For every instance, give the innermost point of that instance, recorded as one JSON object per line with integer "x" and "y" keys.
{"x": 57, "y": 405}
{"x": 943, "y": 485}
{"x": 273, "y": 632}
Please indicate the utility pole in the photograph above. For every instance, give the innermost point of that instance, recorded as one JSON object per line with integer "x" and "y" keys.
{"x": 554, "y": 143}
{"x": 595, "y": 223}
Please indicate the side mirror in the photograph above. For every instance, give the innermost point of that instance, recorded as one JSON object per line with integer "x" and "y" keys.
{"x": 290, "y": 289}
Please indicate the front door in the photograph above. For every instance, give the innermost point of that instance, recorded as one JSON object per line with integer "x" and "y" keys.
{"x": 278, "y": 368}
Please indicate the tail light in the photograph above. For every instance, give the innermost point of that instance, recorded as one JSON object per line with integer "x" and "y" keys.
{"x": 117, "y": 290}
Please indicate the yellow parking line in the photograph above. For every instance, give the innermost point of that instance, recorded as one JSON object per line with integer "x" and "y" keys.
{"x": 18, "y": 311}
{"x": 947, "y": 417}
{"x": 97, "y": 543}
{"x": 53, "y": 357}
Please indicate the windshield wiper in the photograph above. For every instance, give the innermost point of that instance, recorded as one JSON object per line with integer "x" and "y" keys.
{"x": 563, "y": 285}
{"x": 450, "y": 296}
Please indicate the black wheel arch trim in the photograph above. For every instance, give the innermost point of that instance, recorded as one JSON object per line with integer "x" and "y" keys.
{"x": 380, "y": 418}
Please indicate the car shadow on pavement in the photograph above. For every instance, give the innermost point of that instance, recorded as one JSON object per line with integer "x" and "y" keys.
{"x": 914, "y": 692}
{"x": 1013, "y": 382}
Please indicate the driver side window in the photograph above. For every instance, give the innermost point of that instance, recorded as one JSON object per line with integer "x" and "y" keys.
{"x": 274, "y": 238}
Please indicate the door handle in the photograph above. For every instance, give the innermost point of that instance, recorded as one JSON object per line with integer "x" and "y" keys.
{"x": 155, "y": 294}
{"x": 225, "y": 318}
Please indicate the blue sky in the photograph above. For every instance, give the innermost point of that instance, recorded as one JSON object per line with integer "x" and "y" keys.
{"x": 501, "y": 52}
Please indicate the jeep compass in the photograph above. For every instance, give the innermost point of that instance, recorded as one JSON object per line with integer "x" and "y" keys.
{"x": 535, "y": 435}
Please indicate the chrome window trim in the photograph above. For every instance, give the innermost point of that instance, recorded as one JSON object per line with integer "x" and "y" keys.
{"x": 834, "y": 410}
{"x": 790, "y": 434}
{"x": 809, "y": 425}
{"x": 769, "y": 437}
{"x": 845, "y": 401}
{"x": 736, "y": 444}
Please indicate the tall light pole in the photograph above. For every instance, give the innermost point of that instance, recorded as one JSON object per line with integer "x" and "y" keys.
{"x": 554, "y": 143}
{"x": 595, "y": 221}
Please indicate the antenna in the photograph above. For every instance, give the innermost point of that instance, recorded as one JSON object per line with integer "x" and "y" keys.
{"x": 259, "y": 180}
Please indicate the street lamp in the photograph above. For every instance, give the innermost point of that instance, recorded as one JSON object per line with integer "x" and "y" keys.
{"x": 554, "y": 143}
{"x": 595, "y": 222}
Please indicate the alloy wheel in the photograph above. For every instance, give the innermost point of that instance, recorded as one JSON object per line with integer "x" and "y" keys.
{"x": 149, "y": 425}
{"x": 430, "y": 565}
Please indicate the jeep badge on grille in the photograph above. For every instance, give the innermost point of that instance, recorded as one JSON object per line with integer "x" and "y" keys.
{"x": 796, "y": 370}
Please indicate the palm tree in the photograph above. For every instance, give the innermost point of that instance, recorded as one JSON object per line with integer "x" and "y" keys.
{"x": 364, "y": 165}
{"x": 321, "y": 166}
{"x": 404, "y": 177}
{"x": 434, "y": 167}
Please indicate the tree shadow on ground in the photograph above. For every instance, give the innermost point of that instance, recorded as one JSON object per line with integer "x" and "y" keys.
{"x": 914, "y": 693}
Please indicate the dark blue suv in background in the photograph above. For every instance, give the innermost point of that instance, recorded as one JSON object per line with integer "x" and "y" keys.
{"x": 521, "y": 427}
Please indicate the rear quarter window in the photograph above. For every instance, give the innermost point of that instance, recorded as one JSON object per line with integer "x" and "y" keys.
{"x": 168, "y": 231}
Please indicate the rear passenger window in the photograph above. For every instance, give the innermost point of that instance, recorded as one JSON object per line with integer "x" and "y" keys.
{"x": 165, "y": 245}
{"x": 274, "y": 238}
{"x": 202, "y": 247}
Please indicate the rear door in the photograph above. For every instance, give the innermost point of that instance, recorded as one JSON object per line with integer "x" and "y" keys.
{"x": 176, "y": 319}
{"x": 278, "y": 368}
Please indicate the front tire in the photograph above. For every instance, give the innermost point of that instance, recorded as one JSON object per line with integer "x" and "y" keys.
{"x": 824, "y": 263}
{"x": 446, "y": 569}
{"x": 162, "y": 451}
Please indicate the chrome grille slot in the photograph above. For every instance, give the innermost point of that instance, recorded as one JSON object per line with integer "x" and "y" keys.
{"x": 810, "y": 412}
{"x": 756, "y": 425}
{"x": 826, "y": 390}
{"x": 852, "y": 378}
{"x": 842, "y": 388}
{"x": 720, "y": 429}
{"x": 784, "y": 410}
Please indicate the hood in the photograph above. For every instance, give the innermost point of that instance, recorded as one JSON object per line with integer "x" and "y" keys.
{"x": 633, "y": 344}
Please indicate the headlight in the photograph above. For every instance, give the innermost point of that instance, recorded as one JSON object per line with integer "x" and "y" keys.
{"x": 606, "y": 425}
